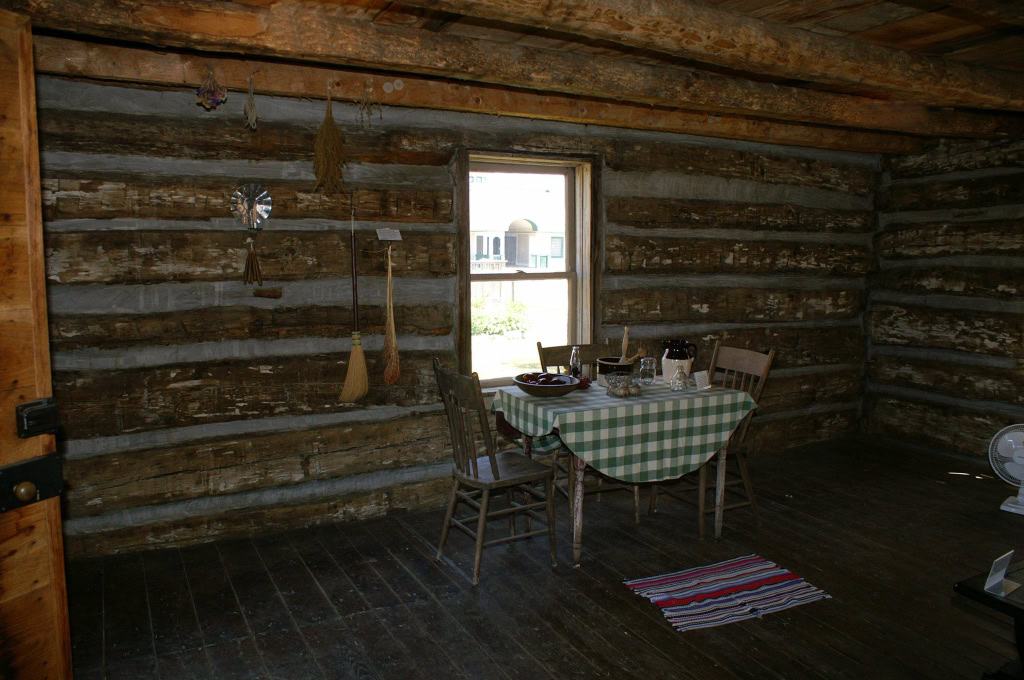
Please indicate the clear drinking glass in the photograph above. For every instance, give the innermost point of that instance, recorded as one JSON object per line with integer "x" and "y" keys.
{"x": 648, "y": 369}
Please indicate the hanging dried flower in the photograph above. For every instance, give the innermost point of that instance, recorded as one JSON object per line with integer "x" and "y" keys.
{"x": 211, "y": 94}
{"x": 367, "y": 105}
{"x": 327, "y": 152}
{"x": 250, "y": 108}
{"x": 253, "y": 272}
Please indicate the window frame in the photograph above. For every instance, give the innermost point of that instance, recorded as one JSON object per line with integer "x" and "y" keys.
{"x": 577, "y": 246}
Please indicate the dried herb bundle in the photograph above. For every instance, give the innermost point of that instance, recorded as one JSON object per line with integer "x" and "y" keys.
{"x": 253, "y": 273}
{"x": 250, "y": 108}
{"x": 328, "y": 153}
{"x": 367, "y": 105}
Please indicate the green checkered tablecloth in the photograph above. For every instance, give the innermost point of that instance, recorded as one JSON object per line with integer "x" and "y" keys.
{"x": 656, "y": 436}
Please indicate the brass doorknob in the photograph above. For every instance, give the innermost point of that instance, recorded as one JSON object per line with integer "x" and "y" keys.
{"x": 25, "y": 491}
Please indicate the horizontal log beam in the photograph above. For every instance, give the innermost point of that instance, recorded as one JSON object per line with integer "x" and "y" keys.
{"x": 710, "y": 305}
{"x": 414, "y": 51}
{"x": 776, "y": 435}
{"x": 650, "y": 255}
{"x": 672, "y": 213}
{"x": 802, "y": 389}
{"x": 106, "y": 331}
{"x": 958, "y": 156}
{"x": 804, "y": 344}
{"x": 970, "y": 192}
{"x": 134, "y": 299}
{"x": 955, "y": 380}
{"x": 159, "y": 256}
{"x": 103, "y": 484}
{"x": 936, "y": 239}
{"x": 945, "y": 427}
{"x": 954, "y": 280}
{"x": 106, "y": 403}
{"x": 996, "y": 334}
{"x": 72, "y": 197}
{"x": 707, "y": 34}
{"x": 627, "y": 155}
{"x": 132, "y": 134}
{"x": 136, "y": 529}
{"x": 121, "y": 131}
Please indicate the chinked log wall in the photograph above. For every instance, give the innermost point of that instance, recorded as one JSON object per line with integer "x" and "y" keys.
{"x": 196, "y": 407}
{"x": 946, "y": 317}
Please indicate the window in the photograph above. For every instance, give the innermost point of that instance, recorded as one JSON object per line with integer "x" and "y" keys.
{"x": 533, "y": 292}
{"x": 557, "y": 246}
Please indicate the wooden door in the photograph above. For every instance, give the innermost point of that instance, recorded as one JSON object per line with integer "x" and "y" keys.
{"x": 34, "y": 639}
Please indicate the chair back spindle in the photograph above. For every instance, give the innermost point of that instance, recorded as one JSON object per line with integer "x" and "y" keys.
{"x": 467, "y": 419}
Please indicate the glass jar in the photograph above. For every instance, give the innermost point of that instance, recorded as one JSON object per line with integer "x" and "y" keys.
{"x": 648, "y": 369}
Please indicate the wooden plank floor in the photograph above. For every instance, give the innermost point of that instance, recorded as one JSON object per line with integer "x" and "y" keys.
{"x": 885, "y": 531}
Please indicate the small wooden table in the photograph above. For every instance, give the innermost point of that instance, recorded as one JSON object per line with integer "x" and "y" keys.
{"x": 657, "y": 436}
{"x": 1012, "y": 605}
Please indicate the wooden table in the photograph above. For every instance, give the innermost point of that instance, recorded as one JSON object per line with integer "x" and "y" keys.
{"x": 657, "y": 436}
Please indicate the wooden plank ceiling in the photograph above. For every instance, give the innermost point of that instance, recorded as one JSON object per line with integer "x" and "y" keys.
{"x": 868, "y": 75}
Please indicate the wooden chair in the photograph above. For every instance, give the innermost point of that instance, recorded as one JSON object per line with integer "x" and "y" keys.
{"x": 477, "y": 473}
{"x": 740, "y": 369}
{"x": 558, "y": 357}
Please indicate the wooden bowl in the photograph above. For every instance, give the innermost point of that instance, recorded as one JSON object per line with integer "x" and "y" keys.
{"x": 562, "y": 384}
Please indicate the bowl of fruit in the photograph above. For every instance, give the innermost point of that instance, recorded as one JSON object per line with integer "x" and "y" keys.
{"x": 545, "y": 384}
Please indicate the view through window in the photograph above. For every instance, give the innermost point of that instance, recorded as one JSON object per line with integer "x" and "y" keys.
{"x": 524, "y": 266}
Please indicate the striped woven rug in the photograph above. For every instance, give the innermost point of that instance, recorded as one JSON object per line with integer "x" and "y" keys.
{"x": 737, "y": 589}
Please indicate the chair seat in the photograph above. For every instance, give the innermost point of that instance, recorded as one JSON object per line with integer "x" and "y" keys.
{"x": 513, "y": 468}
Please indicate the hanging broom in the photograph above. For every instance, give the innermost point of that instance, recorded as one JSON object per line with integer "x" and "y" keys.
{"x": 356, "y": 386}
{"x": 389, "y": 353}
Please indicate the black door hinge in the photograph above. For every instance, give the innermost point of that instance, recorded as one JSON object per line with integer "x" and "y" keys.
{"x": 37, "y": 417}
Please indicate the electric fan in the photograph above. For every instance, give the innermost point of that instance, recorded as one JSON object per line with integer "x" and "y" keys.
{"x": 1006, "y": 454}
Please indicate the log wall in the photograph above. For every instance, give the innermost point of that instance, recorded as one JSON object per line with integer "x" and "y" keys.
{"x": 946, "y": 318}
{"x": 196, "y": 407}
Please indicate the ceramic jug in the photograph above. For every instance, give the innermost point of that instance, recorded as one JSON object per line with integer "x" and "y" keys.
{"x": 677, "y": 352}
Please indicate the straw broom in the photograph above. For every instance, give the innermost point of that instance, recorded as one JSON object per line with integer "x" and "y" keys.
{"x": 356, "y": 385}
{"x": 389, "y": 353}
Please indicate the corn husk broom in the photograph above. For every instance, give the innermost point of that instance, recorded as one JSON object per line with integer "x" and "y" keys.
{"x": 389, "y": 353}
{"x": 356, "y": 385}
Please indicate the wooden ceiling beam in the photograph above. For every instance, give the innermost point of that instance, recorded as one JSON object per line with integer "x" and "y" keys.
{"x": 74, "y": 58}
{"x": 714, "y": 36}
{"x": 315, "y": 31}
{"x": 1010, "y": 13}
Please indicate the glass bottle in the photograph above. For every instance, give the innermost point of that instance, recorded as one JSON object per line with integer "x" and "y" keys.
{"x": 575, "y": 367}
{"x": 678, "y": 380}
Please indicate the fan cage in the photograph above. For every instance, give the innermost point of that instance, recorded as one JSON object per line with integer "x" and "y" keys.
{"x": 997, "y": 462}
